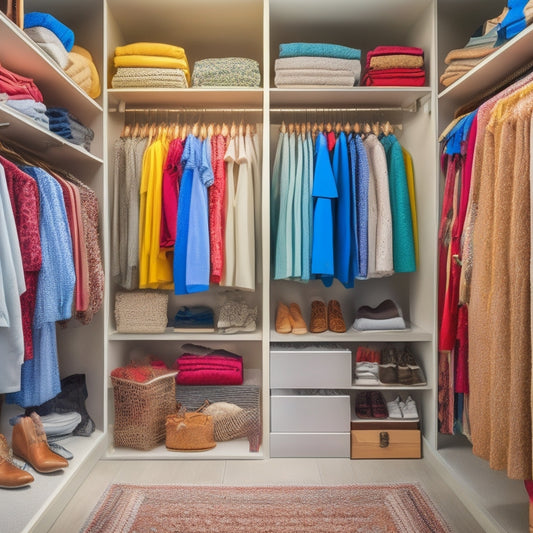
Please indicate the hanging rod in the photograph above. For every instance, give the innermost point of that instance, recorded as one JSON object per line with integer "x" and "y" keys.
{"x": 335, "y": 109}
{"x": 124, "y": 109}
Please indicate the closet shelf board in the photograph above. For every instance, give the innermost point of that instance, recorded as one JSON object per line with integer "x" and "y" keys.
{"x": 170, "y": 335}
{"x": 391, "y": 387}
{"x": 205, "y": 97}
{"x": 57, "y": 88}
{"x": 404, "y": 97}
{"x": 494, "y": 68}
{"x": 414, "y": 334}
{"x": 233, "y": 449}
{"x": 21, "y": 129}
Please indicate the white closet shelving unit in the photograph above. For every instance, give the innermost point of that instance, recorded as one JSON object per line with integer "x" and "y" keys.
{"x": 255, "y": 28}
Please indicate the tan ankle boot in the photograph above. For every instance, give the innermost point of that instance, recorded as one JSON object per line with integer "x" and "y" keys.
{"x": 29, "y": 443}
{"x": 11, "y": 477}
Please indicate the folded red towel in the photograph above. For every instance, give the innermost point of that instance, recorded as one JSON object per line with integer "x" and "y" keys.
{"x": 209, "y": 377}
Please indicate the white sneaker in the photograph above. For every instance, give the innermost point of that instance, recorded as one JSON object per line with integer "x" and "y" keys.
{"x": 394, "y": 408}
{"x": 409, "y": 409}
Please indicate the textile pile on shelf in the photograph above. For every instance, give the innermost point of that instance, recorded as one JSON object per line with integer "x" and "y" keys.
{"x": 226, "y": 72}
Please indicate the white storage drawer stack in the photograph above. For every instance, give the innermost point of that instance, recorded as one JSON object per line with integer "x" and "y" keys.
{"x": 310, "y": 413}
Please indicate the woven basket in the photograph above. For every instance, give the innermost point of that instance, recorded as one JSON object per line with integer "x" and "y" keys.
{"x": 141, "y": 410}
{"x": 190, "y": 432}
{"x": 141, "y": 311}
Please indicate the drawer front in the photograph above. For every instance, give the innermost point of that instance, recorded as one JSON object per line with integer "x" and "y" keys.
{"x": 383, "y": 444}
{"x": 325, "y": 370}
{"x": 311, "y": 414}
{"x": 309, "y": 444}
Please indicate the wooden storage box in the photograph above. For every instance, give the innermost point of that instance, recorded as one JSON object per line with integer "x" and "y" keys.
{"x": 385, "y": 443}
{"x": 310, "y": 367}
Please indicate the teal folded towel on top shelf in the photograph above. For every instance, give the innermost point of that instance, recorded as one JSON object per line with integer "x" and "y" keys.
{"x": 318, "y": 50}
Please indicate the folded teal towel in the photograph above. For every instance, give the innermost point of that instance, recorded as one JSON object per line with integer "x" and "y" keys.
{"x": 318, "y": 50}
{"x": 65, "y": 35}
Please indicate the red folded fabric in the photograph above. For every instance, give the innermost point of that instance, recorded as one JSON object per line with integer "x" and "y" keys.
{"x": 395, "y": 76}
{"x": 209, "y": 377}
{"x": 392, "y": 50}
{"x": 18, "y": 87}
{"x": 395, "y": 82}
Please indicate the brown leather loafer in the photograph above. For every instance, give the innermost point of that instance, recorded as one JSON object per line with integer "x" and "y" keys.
{"x": 29, "y": 443}
{"x": 11, "y": 477}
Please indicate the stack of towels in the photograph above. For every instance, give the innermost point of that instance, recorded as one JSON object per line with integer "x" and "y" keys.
{"x": 156, "y": 65}
{"x": 395, "y": 66}
{"x": 387, "y": 315}
{"x": 226, "y": 72}
{"x": 22, "y": 94}
{"x": 317, "y": 64}
{"x": 69, "y": 127}
{"x": 57, "y": 41}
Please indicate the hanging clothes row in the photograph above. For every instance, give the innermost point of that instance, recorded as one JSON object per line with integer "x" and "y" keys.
{"x": 51, "y": 270}
{"x": 186, "y": 206}
{"x": 485, "y": 281}
{"x": 342, "y": 204}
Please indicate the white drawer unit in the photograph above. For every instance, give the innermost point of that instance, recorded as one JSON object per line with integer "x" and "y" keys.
{"x": 310, "y": 444}
{"x": 295, "y": 413}
{"x": 326, "y": 367}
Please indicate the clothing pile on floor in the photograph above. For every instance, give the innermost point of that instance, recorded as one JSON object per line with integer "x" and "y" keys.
{"x": 317, "y": 65}
{"x": 487, "y": 38}
{"x": 395, "y": 66}
{"x": 57, "y": 41}
{"x": 226, "y": 72}
{"x": 156, "y": 65}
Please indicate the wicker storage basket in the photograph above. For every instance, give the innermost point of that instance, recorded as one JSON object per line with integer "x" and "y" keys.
{"x": 142, "y": 311}
{"x": 190, "y": 432}
{"x": 141, "y": 410}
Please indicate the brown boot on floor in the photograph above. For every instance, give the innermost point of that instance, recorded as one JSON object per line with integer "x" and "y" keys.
{"x": 319, "y": 317}
{"x": 11, "y": 477}
{"x": 283, "y": 323}
{"x": 335, "y": 319}
{"x": 29, "y": 443}
{"x": 297, "y": 320}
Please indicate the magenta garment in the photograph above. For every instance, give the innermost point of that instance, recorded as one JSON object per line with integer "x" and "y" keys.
{"x": 210, "y": 369}
{"x": 18, "y": 87}
{"x": 217, "y": 209}
{"x": 412, "y": 77}
{"x": 24, "y": 196}
{"x": 172, "y": 173}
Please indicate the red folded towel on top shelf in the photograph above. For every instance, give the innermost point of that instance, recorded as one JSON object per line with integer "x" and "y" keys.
{"x": 395, "y": 66}
{"x": 217, "y": 368}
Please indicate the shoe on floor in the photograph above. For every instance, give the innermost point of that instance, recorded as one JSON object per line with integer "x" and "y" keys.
{"x": 319, "y": 316}
{"x": 335, "y": 319}
{"x": 297, "y": 320}
{"x": 11, "y": 477}
{"x": 283, "y": 324}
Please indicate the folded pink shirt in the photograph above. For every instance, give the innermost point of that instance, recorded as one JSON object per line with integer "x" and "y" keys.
{"x": 18, "y": 87}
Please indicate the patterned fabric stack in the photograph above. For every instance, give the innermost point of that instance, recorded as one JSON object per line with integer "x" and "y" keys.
{"x": 155, "y": 65}
{"x": 317, "y": 64}
{"x": 226, "y": 72}
{"x": 395, "y": 66}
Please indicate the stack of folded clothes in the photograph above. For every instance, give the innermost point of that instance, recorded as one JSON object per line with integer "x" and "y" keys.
{"x": 395, "y": 66}
{"x": 69, "y": 127}
{"x": 317, "y": 64}
{"x": 22, "y": 94}
{"x": 203, "y": 366}
{"x": 387, "y": 315}
{"x": 226, "y": 72}
{"x": 155, "y": 65}
{"x": 236, "y": 316}
{"x": 194, "y": 319}
{"x": 57, "y": 41}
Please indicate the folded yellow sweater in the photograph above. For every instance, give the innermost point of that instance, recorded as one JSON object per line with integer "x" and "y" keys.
{"x": 151, "y": 49}
{"x": 153, "y": 61}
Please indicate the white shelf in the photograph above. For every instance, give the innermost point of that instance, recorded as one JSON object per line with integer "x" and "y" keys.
{"x": 494, "y": 68}
{"x": 382, "y": 97}
{"x": 233, "y": 449}
{"x": 57, "y": 88}
{"x": 414, "y": 334}
{"x": 170, "y": 335}
{"x": 385, "y": 387}
{"x": 205, "y": 97}
{"x": 55, "y": 149}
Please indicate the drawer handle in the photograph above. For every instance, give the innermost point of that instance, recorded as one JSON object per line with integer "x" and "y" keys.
{"x": 383, "y": 439}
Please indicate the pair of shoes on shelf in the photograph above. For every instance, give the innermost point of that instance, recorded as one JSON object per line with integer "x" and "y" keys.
{"x": 400, "y": 410}
{"x": 324, "y": 318}
{"x": 371, "y": 404}
{"x": 400, "y": 367}
{"x": 290, "y": 320}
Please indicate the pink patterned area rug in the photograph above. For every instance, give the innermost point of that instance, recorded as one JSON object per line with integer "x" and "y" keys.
{"x": 402, "y": 508}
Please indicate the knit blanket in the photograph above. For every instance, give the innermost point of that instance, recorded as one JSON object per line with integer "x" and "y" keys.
{"x": 318, "y": 50}
{"x": 126, "y": 77}
{"x": 226, "y": 72}
{"x": 313, "y": 77}
{"x": 153, "y": 62}
{"x": 82, "y": 70}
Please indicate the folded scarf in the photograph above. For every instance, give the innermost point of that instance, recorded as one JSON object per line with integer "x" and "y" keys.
{"x": 310, "y": 77}
{"x": 396, "y": 61}
{"x": 468, "y": 53}
{"x": 153, "y": 61}
{"x": 226, "y": 72}
{"x": 31, "y": 108}
{"x": 50, "y": 43}
{"x": 151, "y": 49}
{"x": 318, "y": 50}
{"x": 321, "y": 63}
{"x": 448, "y": 78}
{"x": 83, "y": 71}
{"x": 65, "y": 34}
{"x": 18, "y": 87}
{"x": 149, "y": 77}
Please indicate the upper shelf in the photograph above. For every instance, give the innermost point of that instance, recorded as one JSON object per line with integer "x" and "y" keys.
{"x": 30, "y": 61}
{"x": 494, "y": 68}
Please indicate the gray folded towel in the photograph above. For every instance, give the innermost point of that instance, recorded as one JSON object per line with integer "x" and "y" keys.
{"x": 50, "y": 43}
{"x": 318, "y": 63}
{"x": 313, "y": 77}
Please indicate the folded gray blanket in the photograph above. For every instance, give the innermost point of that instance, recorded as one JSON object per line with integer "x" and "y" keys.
{"x": 226, "y": 72}
{"x": 50, "y": 43}
{"x": 312, "y": 77}
{"x": 319, "y": 63}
